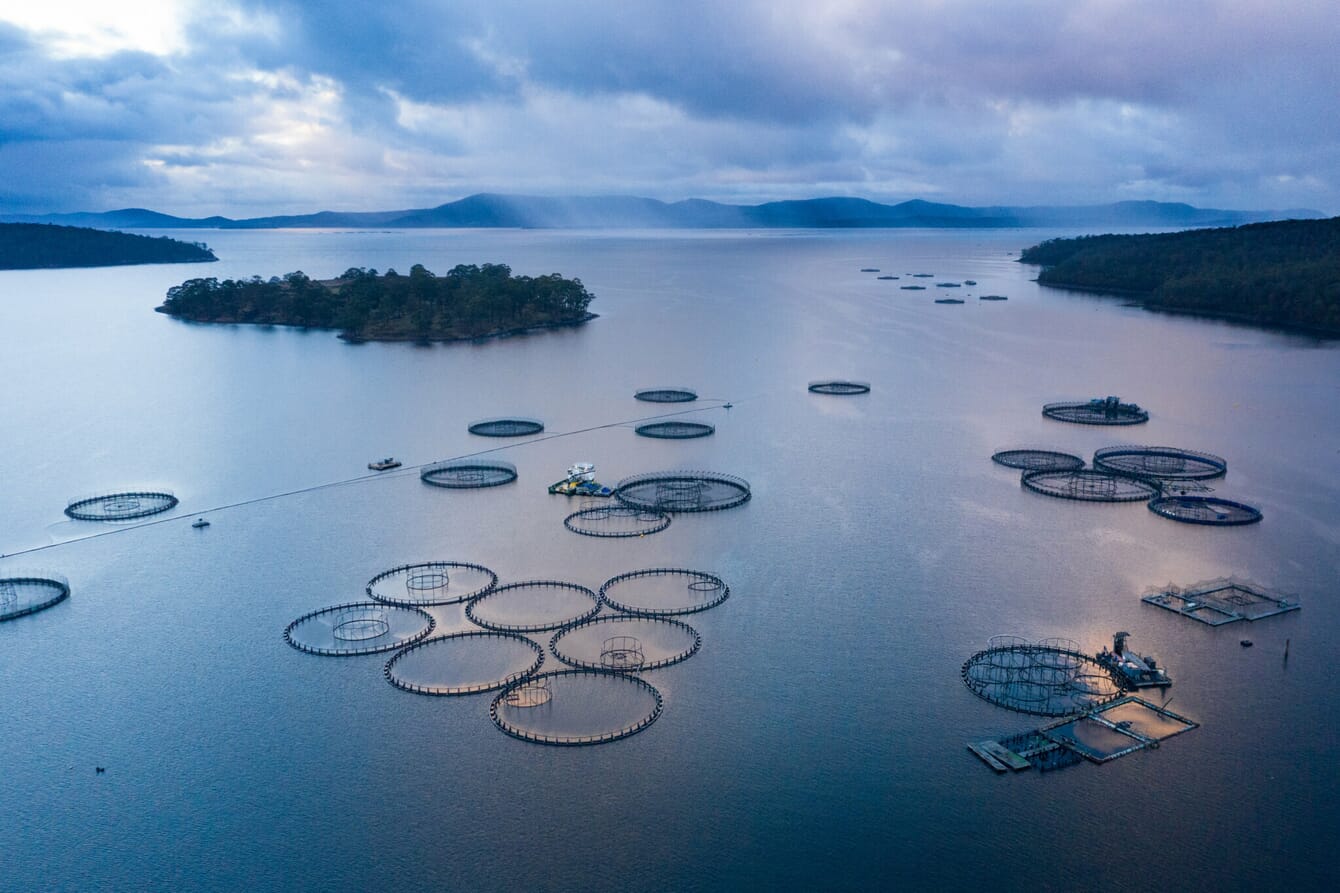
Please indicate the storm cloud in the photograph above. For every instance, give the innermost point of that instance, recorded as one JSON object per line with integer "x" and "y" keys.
{"x": 272, "y": 107}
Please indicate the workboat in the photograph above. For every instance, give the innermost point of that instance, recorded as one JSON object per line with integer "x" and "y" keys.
{"x": 581, "y": 481}
{"x": 200, "y": 523}
{"x": 384, "y": 464}
{"x": 1132, "y": 670}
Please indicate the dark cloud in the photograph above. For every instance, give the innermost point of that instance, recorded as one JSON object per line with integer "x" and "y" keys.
{"x": 421, "y": 101}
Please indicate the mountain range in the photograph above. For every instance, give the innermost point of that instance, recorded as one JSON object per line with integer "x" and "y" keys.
{"x": 499, "y": 210}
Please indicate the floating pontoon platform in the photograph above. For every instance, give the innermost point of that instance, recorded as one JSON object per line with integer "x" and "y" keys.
{"x": 1226, "y": 600}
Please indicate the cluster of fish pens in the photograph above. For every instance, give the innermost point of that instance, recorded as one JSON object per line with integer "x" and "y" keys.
{"x": 603, "y": 639}
{"x": 1169, "y": 480}
{"x": 1096, "y": 718}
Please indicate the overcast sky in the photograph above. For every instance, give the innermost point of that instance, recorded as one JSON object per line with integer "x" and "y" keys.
{"x": 248, "y": 107}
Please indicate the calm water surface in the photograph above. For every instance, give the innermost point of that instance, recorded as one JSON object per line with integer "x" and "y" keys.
{"x": 817, "y": 738}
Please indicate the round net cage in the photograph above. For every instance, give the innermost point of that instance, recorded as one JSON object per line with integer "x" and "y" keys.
{"x": 1087, "y": 485}
{"x": 682, "y": 491}
{"x": 464, "y": 663}
{"x": 466, "y": 474}
{"x": 676, "y": 430}
{"x": 506, "y": 427}
{"x": 664, "y": 591}
{"x": 1037, "y": 460}
{"x": 576, "y": 707}
{"x": 839, "y": 388}
{"x": 30, "y": 592}
{"x": 358, "y": 628}
{"x": 666, "y": 395}
{"x": 1100, "y": 411}
{"x": 1168, "y": 463}
{"x": 1205, "y": 510}
{"x": 1050, "y": 677}
{"x": 532, "y": 606}
{"x": 629, "y": 644}
{"x": 431, "y": 583}
{"x": 123, "y": 506}
{"x": 616, "y": 521}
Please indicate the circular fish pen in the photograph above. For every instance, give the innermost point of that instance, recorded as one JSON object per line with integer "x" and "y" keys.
{"x": 467, "y": 474}
{"x": 1205, "y": 510}
{"x": 1087, "y": 485}
{"x": 576, "y": 707}
{"x": 1037, "y": 460}
{"x": 28, "y": 593}
{"x": 532, "y": 606}
{"x": 666, "y": 395}
{"x": 508, "y": 427}
{"x": 464, "y": 663}
{"x": 1050, "y": 677}
{"x": 682, "y": 491}
{"x": 839, "y": 387}
{"x": 1109, "y": 411}
{"x": 1168, "y": 463}
{"x": 123, "y": 506}
{"x": 616, "y": 521}
{"x": 431, "y": 583}
{"x": 664, "y": 592}
{"x": 676, "y": 430}
{"x": 358, "y": 628}
{"x": 626, "y": 643}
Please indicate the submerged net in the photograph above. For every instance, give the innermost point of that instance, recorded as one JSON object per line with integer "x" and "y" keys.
{"x": 1169, "y": 463}
{"x": 465, "y": 474}
{"x": 1047, "y": 678}
{"x": 676, "y": 430}
{"x": 682, "y": 491}
{"x": 625, "y": 643}
{"x": 576, "y": 707}
{"x": 616, "y": 521}
{"x": 358, "y": 628}
{"x": 1205, "y": 510}
{"x": 1087, "y": 485}
{"x": 839, "y": 387}
{"x": 28, "y": 593}
{"x": 464, "y": 663}
{"x": 431, "y": 583}
{"x": 122, "y": 506}
{"x": 1099, "y": 411}
{"x": 509, "y": 427}
{"x": 666, "y": 395}
{"x": 532, "y": 606}
{"x": 1037, "y": 460}
{"x": 664, "y": 591}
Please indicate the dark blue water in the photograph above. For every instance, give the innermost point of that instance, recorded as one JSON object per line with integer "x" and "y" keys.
{"x": 816, "y": 740}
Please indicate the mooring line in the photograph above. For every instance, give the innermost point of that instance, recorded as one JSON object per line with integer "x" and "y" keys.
{"x": 362, "y": 478}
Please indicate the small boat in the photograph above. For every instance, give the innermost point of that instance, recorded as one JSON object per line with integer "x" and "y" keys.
{"x": 581, "y": 481}
{"x": 384, "y": 464}
{"x": 993, "y": 298}
{"x": 1132, "y": 670}
{"x": 969, "y": 281}
{"x": 200, "y": 524}
{"x": 869, "y": 269}
{"x": 1245, "y": 643}
{"x": 886, "y": 277}
{"x": 948, "y": 301}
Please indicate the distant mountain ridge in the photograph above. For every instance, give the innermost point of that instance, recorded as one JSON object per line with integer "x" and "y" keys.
{"x": 494, "y": 210}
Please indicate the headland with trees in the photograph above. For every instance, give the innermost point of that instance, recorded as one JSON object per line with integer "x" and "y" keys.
{"x": 44, "y": 246}
{"x": 1285, "y": 273}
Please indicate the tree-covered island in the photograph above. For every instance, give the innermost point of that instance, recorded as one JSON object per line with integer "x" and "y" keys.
{"x": 468, "y": 302}
{"x": 45, "y": 246}
{"x": 1285, "y": 273}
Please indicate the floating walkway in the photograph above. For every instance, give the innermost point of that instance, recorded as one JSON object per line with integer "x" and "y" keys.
{"x": 1114, "y": 730}
{"x": 1221, "y": 601}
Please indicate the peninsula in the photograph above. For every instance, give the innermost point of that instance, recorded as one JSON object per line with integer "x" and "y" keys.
{"x": 1285, "y": 273}
{"x": 468, "y": 302}
{"x": 36, "y": 246}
